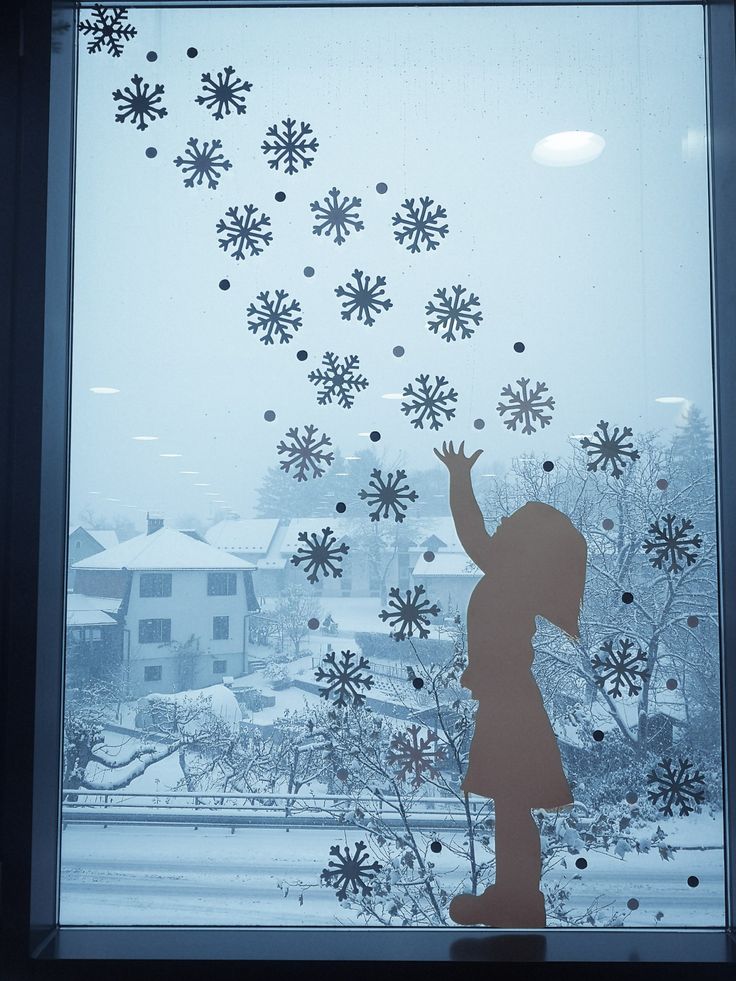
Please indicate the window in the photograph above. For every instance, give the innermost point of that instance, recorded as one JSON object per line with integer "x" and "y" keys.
{"x": 221, "y": 584}
{"x": 600, "y": 246}
{"x": 154, "y": 631}
{"x": 152, "y": 672}
{"x": 155, "y": 584}
{"x": 219, "y": 667}
{"x": 220, "y": 628}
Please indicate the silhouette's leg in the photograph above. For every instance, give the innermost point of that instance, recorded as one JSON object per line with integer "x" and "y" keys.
{"x": 518, "y": 848}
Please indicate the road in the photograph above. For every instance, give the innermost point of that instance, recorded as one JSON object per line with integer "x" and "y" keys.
{"x": 175, "y": 875}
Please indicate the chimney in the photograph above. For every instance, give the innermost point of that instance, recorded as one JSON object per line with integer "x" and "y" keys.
{"x": 155, "y": 523}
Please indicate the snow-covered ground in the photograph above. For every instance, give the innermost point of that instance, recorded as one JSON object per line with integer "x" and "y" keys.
{"x": 176, "y": 875}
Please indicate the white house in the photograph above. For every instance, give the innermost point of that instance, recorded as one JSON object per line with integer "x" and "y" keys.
{"x": 84, "y": 542}
{"x": 185, "y": 606}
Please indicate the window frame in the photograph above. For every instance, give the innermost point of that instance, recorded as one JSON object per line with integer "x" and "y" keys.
{"x": 162, "y": 579}
{"x": 230, "y": 579}
{"x": 220, "y": 618}
{"x": 160, "y": 621}
{"x": 38, "y": 71}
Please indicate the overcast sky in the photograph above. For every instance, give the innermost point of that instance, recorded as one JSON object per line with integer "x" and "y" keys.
{"x": 601, "y": 270}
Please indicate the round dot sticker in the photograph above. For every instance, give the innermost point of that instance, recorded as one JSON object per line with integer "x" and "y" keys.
{"x": 381, "y": 187}
{"x": 633, "y": 904}
{"x": 671, "y": 684}
{"x": 269, "y": 415}
{"x": 224, "y": 284}
{"x": 581, "y": 863}
{"x": 627, "y": 598}
{"x": 192, "y": 52}
{"x": 151, "y": 56}
{"x": 301, "y": 355}
{"x": 341, "y": 507}
{"x": 436, "y": 847}
{"x": 479, "y": 423}
{"x": 662, "y": 484}
{"x": 341, "y": 774}
{"x": 151, "y": 152}
{"x": 418, "y": 683}
{"x": 693, "y": 881}
{"x": 692, "y": 621}
{"x": 519, "y": 347}
{"x": 631, "y": 797}
{"x": 313, "y": 623}
{"x": 598, "y": 735}
{"x": 280, "y": 196}
{"x": 428, "y": 556}
{"x": 399, "y": 351}
{"x": 309, "y": 271}
{"x": 548, "y": 466}
{"x": 607, "y": 524}
{"x": 375, "y": 436}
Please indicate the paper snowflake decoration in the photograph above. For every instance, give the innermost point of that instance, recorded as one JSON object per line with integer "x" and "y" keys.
{"x": 107, "y": 30}
{"x": 410, "y": 613}
{"x": 338, "y": 380}
{"x": 363, "y": 298}
{"x": 416, "y": 755}
{"x": 289, "y": 146}
{"x": 609, "y": 448}
{"x": 202, "y": 162}
{"x": 526, "y": 406}
{"x": 321, "y": 556}
{"x": 244, "y": 233}
{"x": 274, "y": 317}
{"x": 625, "y": 664}
{"x": 429, "y": 403}
{"x": 223, "y": 94}
{"x": 335, "y": 216}
{"x": 344, "y": 679}
{"x": 352, "y": 872}
{"x": 419, "y": 225}
{"x": 388, "y": 496}
{"x": 671, "y": 547}
{"x": 139, "y": 104}
{"x": 454, "y": 315}
{"x": 680, "y": 787}
{"x": 305, "y": 454}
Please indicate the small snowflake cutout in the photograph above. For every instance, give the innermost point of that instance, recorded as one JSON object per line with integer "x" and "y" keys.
{"x": 429, "y": 403}
{"x": 352, "y": 872}
{"x": 321, "y": 556}
{"x": 305, "y": 454}
{"x": 526, "y": 406}
{"x": 609, "y": 448}
{"x": 625, "y": 664}
{"x": 671, "y": 547}
{"x": 336, "y": 217}
{"x": 388, "y": 496}
{"x": 410, "y": 613}
{"x": 107, "y": 30}
{"x": 453, "y": 317}
{"x": 338, "y": 380}
{"x": 244, "y": 233}
{"x": 419, "y": 225}
{"x": 139, "y": 104}
{"x": 290, "y": 146}
{"x": 363, "y": 299}
{"x": 416, "y": 755}
{"x": 224, "y": 94}
{"x": 202, "y": 163}
{"x": 274, "y": 317}
{"x": 345, "y": 679}
{"x": 679, "y": 786}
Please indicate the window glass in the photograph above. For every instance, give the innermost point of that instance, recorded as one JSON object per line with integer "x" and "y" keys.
{"x": 312, "y": 246}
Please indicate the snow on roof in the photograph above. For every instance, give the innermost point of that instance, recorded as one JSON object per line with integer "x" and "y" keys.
{"x": 243, "y": 535}
{"x": 442, "y": 528}
{"x": 106, "y": 537}
{"x": 164, "y": 549}
{"x": 88, "y": 618}
{"x": 78, "y": 603}
{"x": 446, "y": 564}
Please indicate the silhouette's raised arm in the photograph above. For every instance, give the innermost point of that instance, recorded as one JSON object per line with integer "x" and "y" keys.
{"x": 466, "y": 514}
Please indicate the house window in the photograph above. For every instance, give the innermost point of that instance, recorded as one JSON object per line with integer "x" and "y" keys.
{"x": 155, "y": 584}
{"x": 219, "y": 667}
{"x": 154, "y": 631}
{"x": 152, "y": 672}
{"x": 221, "y": 628}
{"x": 221, "y": 584}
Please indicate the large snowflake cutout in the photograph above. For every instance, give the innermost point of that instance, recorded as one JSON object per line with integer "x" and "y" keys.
{"x": 672, "y": 546}
{"x": 344, "y": 678}
{"x": 321, "y": 556}
{"x": 245, "y": 233}
{"x": 223, "y": 94}
{"x": 416, "y": 755}
{"x": 290, "y": 147}
{"x": 362, "y": 298}
{"x": 676, "y": 787}
{"x": 526, "y": 405}
{"x": 350, "y": 871}
{"x": 609, "y": 448}
{"x": 338, "y": 381}
{"x": 420, "y": 225}
{"x": 388, "y": 496}
{"x": 624, "y": 665}
{"x": 337, "y": 216}
{"x": 201, "y": 163}
{"x": 275, "y": 317}
{"x": 305, "y": 454}
{"x": 139, "y": 103}
{"x": 409, "y": 613}
{"x": 454, "y": 315}
{"x": 429, "y": 403}
{"x": 107, "y": 29}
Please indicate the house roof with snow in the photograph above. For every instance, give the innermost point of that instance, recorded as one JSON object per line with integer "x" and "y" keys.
{"x": 167, "y": 550}
{"x": 440, "y": 527}
{"x": 105, "y": 537}
{"x": 90, "y": 611}
{"x": 245, "y": 535}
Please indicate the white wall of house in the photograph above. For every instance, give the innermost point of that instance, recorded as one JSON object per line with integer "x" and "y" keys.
{"x": 191, "y": 611}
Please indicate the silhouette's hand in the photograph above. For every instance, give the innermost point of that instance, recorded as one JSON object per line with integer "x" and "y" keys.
{"x": 455, "y": 460}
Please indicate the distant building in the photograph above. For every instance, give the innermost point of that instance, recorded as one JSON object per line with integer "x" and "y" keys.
{"x": 84, "y": 542}
{"x": 94, "y": 639}
{"x": 183, "y": 606}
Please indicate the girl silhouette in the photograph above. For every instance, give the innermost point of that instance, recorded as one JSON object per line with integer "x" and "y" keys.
{"x": 534, "y": 565}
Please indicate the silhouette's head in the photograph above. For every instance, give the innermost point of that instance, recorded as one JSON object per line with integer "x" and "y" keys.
{"x": 540, "y": 554}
